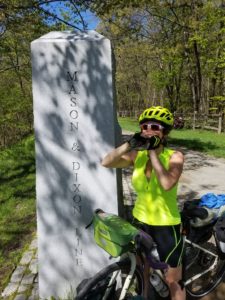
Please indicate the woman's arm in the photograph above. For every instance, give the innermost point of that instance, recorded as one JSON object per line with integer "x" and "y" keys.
{"x": 119, "y": 158}
{"x": 167, "y": 178}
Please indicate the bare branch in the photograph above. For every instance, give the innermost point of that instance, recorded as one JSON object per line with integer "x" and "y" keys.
{"x": 81, "y": 18}
{"x": 38, "y": 6}
{"x": 173, "y": 12}
{"x": 167, "y": 19}
{"x": 32, "y": 5}
{"x": 12, "y": 67}
{"x": 46, "y": 12}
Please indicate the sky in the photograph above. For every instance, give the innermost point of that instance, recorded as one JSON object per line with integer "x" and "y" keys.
{"x": 91, "y": 19}
{"x": 88, "y": 16}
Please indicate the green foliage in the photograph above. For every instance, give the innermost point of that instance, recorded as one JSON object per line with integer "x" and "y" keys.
{"x": 218, "y": 98}
{"x": 21, "y": 23}
{"x": 129, "y": 124}
{"x": 16, "y": 117}
{"x": 200, "y": 140}
{"x": 181, "y": 46}
{"x": 17, "y": 202}
{"x": 168, "y": 53}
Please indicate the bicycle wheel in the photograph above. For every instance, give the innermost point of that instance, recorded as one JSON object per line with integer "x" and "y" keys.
{"x": 203, "y": 268}
{"x": 100, "y": 286}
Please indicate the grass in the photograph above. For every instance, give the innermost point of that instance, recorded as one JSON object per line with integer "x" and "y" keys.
{"x": 208, "y": 142}
{"x": 17, "y": 205}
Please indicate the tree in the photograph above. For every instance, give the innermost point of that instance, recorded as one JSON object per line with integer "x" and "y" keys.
{"x": 185, "y": 46}
{"x": 21, "y": 22}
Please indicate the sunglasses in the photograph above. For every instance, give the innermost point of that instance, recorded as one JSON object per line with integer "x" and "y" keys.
{"x": 152, "y": 126}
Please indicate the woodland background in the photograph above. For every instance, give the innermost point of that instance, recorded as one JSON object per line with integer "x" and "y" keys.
{"x": 168, "y": 53}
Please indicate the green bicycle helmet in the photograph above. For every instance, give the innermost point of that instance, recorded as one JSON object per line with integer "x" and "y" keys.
{"x": 157, "y": 113}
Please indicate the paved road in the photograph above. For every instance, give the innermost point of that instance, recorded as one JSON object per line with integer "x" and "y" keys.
{"x": 203, "y": 174}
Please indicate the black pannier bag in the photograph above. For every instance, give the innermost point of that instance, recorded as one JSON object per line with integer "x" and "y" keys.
{"x": 219, "y": 229}
{"x": 197, "y": 221}
{"x": 200, "y": 234}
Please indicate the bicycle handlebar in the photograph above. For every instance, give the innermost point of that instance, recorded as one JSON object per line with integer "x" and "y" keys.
{"x": 146, "y": 241}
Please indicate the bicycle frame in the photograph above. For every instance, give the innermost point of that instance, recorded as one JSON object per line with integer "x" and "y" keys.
{"x": 206, "y": 271}
{"x": 150, "y": 261}
{"x": 127, "y": 282}
{"x": 133, "y": 260}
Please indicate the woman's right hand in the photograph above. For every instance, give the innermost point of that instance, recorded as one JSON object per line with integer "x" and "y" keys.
{"x": 138, "y": 142}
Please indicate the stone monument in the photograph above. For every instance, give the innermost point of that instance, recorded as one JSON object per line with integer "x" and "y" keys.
{"x": 75, "y": 126}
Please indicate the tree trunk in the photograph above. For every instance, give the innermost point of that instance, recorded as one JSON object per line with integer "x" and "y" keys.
{"x": 198, "y": 77}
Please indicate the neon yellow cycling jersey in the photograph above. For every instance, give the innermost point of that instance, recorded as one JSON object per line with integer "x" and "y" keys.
{"x": 154, "y": 205}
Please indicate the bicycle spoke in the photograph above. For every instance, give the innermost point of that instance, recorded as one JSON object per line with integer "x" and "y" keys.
{"x": 205, "y": 270}
{"x": 115, "y": 282}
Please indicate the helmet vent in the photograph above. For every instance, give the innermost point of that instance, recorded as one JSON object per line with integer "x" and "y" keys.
{"x": 157, "y": 113}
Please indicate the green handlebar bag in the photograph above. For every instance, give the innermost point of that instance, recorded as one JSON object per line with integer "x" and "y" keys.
{"x": 112, "y": 233}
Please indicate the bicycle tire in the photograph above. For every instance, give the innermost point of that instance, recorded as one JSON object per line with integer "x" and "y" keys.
{"x": 208, "y": 282}
{"x": 100, "y": 280}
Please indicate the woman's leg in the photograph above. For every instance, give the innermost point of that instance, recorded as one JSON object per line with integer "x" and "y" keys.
{"x": 173, "y": 278}
{"x": 170, "y": 247}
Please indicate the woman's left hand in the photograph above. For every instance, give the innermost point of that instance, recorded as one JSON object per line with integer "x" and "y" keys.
{"x": 153, "y": 142}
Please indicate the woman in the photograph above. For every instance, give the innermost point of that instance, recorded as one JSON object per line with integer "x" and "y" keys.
{"x": 156, "y": 171}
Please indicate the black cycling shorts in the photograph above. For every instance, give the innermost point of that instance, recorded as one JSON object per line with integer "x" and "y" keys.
{"x": 168, "y": 239}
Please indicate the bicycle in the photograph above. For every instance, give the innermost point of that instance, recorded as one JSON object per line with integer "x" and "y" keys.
{"x": 203, "y": 262}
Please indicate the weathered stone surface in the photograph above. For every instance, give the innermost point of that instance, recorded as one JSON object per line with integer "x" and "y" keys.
{"x": 33, "y": 298}
{"x": 34, "y": 266}
{"x": 33, "y": 245}
{"x": 27, "y": 256}
{"x": 10, "y": 289}
{"x": 20, "y": 297}
{"x": 28, "y": 279}
{"x": 35, "y": 290}
{"x": 23, "y": 287}
{"x": 18, "y": 274}
{"x": 75, "y": 126}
